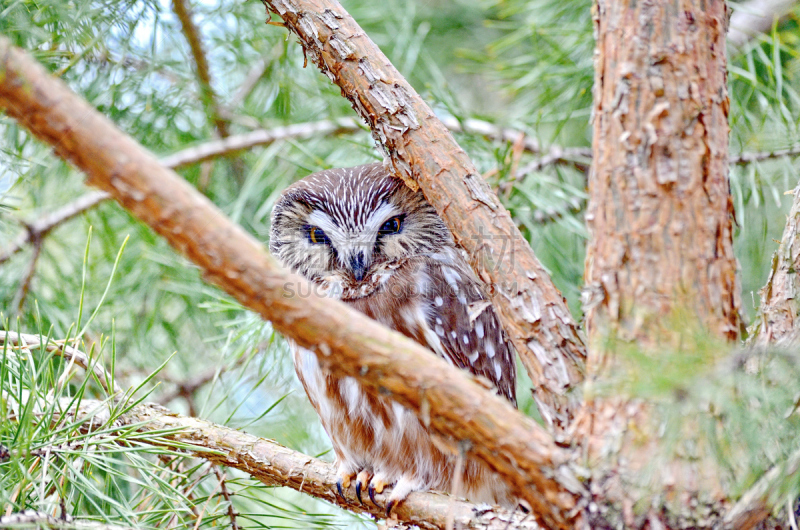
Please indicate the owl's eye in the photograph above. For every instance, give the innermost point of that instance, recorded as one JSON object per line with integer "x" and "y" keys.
{"x": 316, "y": 236}
{"x": 392, "y": 226}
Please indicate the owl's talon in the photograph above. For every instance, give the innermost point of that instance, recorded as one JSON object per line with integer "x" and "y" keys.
{"x": 358, "y": 493}
{"x": 361, "y": 479}
{"x": 371, "y": 491}
{"x": 376, "y": 485}
{"x": 339, "y": 489}
{"x": 389, "y": 506}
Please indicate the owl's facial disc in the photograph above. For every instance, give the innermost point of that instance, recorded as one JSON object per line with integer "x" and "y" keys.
{"x": 354, "y": 247}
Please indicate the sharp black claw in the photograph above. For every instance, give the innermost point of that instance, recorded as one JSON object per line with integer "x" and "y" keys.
{"x": 389, "y": 506}
{"x": 358, "y": 492}
{"x": 371, "y": 491}
{"x": 339, "y": 489}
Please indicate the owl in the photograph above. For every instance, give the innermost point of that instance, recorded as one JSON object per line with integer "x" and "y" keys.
{"x": 362, "y": 236}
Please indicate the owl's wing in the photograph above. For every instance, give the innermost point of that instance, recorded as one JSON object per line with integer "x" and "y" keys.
{"x": 464, "y": 328}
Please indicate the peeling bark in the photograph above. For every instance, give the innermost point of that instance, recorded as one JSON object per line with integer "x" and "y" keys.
{"x": 660, "y": 260}
{"x": 345, "y": 341}
{"x": 421, "y": 151}
{"x": 660, "y": 211}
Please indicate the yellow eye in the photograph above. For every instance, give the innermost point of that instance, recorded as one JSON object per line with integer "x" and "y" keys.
{"x": 316, "y": 236}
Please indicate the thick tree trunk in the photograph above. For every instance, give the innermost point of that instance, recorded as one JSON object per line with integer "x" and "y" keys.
{"x": 660, "y": 261}
{"x": 660, "y": 212}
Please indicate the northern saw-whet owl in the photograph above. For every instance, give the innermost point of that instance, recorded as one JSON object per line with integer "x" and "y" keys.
{"x": 362, "y": 236}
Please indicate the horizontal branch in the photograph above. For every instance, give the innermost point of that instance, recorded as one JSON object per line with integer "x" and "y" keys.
{"x": 72, "y": 355}
{"x": 32, "y": 519}
{"x": 748, "y": 158}
{"x": 346, "y": 342}
{"x": 275, "y": 465}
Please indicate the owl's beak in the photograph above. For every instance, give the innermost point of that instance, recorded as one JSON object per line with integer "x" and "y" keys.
{"x": 358, "y": 266}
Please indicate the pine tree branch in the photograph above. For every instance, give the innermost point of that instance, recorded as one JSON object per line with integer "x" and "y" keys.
{"x": 42, "y": 226}
{"x": 346, "y": 342}
{"x": 210, "y": 100}
{"x": 275, "y": 465}
{"x": 422, "y": 151}
{"x": 73, "y": 355}
{"x": 217, "y": 148}
{"x": 748, "y": 158}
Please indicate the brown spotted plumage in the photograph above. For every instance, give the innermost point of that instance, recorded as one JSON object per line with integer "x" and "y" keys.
{"x": 364, "y": 237}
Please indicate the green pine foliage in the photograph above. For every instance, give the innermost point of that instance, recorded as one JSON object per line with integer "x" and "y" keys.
{"x": 151, "y": 320}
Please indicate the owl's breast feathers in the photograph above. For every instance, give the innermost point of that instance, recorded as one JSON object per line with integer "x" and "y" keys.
{"x": 437, "y": 301}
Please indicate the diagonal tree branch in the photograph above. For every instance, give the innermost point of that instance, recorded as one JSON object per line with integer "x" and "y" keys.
{"x": 345, "y": 341}
{"x": 422, "y": 151}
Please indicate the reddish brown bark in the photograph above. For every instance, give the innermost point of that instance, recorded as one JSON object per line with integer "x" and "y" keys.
{"x": 660, "y": 210}
{"x": 423, "y": 152}
{"x": 346, "y": 342}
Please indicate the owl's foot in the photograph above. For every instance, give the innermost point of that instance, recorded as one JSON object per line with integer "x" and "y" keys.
{"x": 376, "y": 485}
{"x": 362, "y": 479}
{"x": 343, "y": 482}
{"x": 399, "y": 493}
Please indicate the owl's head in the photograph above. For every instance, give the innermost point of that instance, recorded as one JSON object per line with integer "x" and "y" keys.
{"x": 343, "y": 225}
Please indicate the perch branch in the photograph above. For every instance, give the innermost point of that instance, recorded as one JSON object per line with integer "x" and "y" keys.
{"x": 346, "y": 342}
{"x": 421, "y": 150}
{"x": 275, "y": 465}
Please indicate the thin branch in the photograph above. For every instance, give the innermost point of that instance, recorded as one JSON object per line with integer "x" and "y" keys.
{"x": 226, "y": 495}
{"x": 192, "y": 35}
{"x": 239, "y": 142}
{"x": 27, "y": 278}
{"x": 276, "y": 465}
{"x": 346, "y": 342}
{"x": 250, "y": 81}
{"x": 217, "y": 148}
{"x": 754, "y": 17}
{"x": 32, "y": 519}
{"x": 748, "y": 158}
{"x": 73, "y": 355}
{"x": 421, "y": 150}
{"x": 42, "y": 226}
